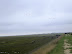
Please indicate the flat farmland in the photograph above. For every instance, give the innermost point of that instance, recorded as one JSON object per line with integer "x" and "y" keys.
{"x": 23, "y": 44}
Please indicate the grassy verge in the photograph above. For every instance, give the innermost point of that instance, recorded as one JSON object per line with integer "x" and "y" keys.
{"x": 69, "y": 39}
{"x": 59, "y": 47}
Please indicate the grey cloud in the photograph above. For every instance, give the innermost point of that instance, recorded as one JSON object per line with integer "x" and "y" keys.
{"x": 35, "y": 16}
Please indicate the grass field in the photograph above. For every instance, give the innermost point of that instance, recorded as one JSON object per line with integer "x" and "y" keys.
{"x": 23, "y": 44}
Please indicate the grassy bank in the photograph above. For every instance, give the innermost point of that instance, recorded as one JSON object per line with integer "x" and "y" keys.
{"x": 69, "y": 37}
{"x": 59, "y": 47}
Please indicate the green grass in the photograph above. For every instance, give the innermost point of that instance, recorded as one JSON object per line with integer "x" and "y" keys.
{"x": 23, "y": 44}
{"x": 69, "y": 39}
{"x": 59, "y": 47}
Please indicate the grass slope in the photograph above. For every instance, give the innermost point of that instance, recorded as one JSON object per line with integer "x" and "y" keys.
{"x": 59, "y": 47}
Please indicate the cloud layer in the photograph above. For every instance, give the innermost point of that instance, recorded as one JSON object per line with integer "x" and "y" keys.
{"x": 35, "y": 16}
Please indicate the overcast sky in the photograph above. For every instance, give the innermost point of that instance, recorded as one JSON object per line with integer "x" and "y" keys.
{"x": 35, "y": 16}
